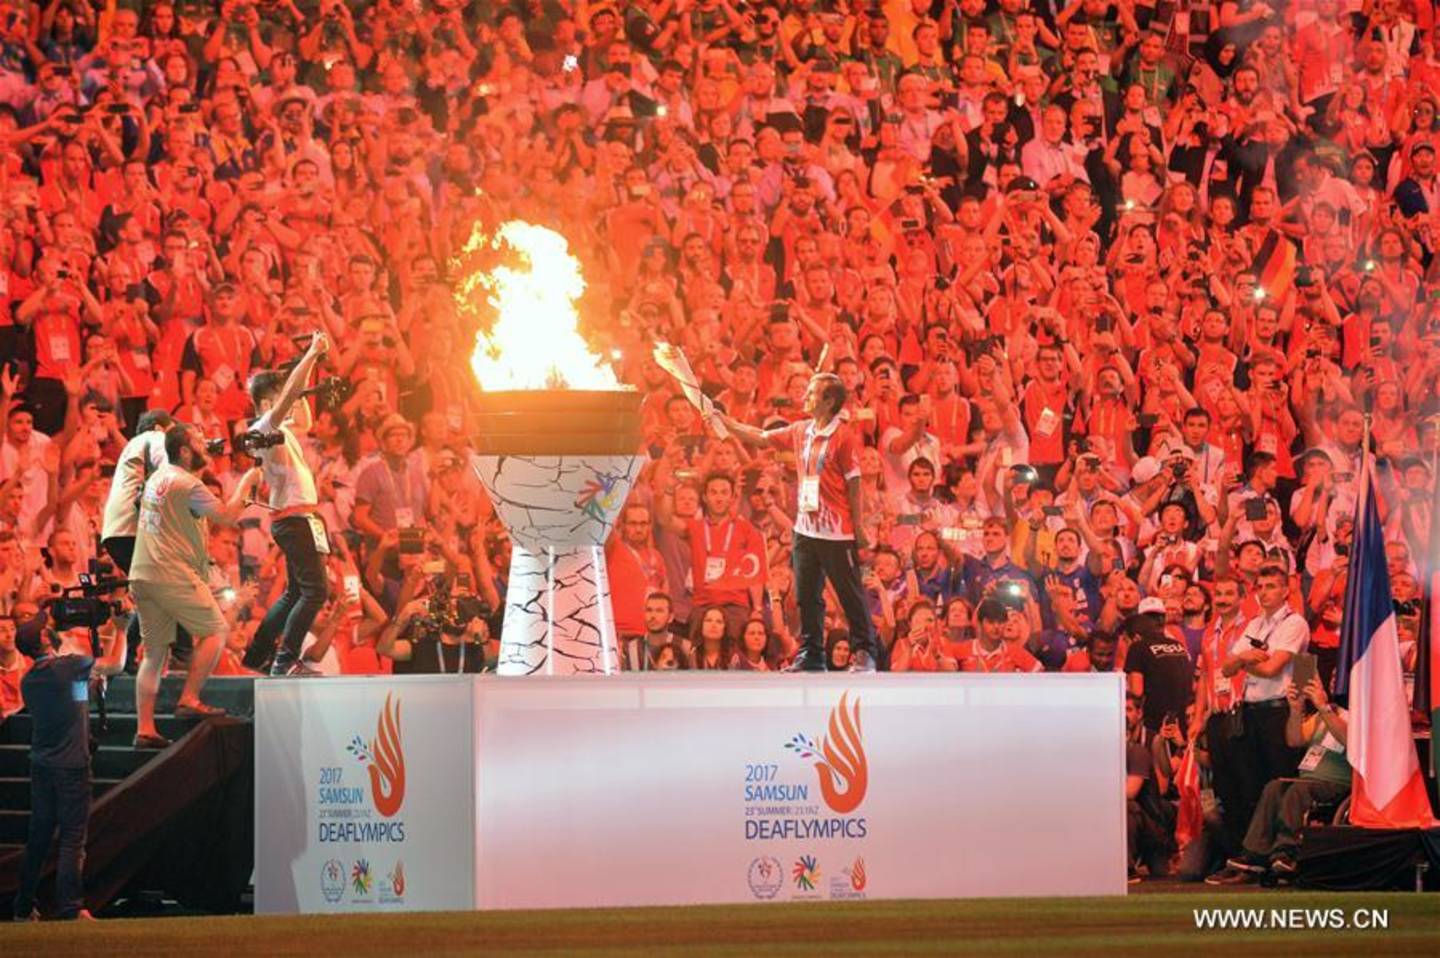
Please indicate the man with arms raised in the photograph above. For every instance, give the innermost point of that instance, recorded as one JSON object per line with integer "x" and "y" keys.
{"x": 829, "y": 521}
{"x": 295, "y": 524}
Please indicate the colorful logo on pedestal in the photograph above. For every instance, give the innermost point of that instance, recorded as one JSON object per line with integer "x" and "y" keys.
{"x": 850, "y": 883}
{"x": 386, "y": 757}
{"x": 397, "y": 880}
{"x": 360, "y": 877}
{"x": 806, "y": 872}
{"x": 765, "y": 877}
{"x": 844, "y": 773}
{"x": 779, "y": 807}
{"x": 332, "y": 880}
{"x": 345, "y": 809}
{"x": 601, "y": 496}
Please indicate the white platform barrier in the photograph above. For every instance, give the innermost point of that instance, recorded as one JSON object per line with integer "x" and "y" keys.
{"x": 454, "y": 792}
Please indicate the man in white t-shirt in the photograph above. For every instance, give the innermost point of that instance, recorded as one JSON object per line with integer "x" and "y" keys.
{"x": 139, "y": 459}
{"x": 168, "y": 576}
{"x": 1265, "y": 653}
{"x": 910, "y": 440}
{"x": 295, "y": 524}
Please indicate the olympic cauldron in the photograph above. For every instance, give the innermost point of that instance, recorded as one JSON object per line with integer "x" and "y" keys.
{"x": 558, "y": 442}
{"x": 558, "y": 465}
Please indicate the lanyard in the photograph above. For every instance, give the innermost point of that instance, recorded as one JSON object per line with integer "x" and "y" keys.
{"x": 729, "y": 530}
{"x": 408, "y": 502}
{"x": 805, "y": 460}
{"x": 1265, "y": 639}
{"x": 646, "y": 568}
{"x": 1151, "y": 88}
{"x": 440, "y": 657}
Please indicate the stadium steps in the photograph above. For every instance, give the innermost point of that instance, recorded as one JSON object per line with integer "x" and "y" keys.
{"x": 130, "y": 784}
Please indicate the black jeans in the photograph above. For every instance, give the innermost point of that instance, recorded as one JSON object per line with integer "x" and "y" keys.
{"x": 1231, "y": 777}
{"x": 59, "y": 797}
{"x": 814, "y": 561}
{"x": 122, "y": 551}
{"x": 305, "y": 593}
{"x": 1262, "y": 751}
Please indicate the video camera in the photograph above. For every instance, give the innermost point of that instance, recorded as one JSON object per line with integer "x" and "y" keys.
{"x": 250, "y": 443}
{"x": 331, "y": 391}
{"x": 88, "y": 605}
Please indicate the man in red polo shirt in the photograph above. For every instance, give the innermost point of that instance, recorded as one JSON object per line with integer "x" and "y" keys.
{"x": 222, "y": 351}
{"x": 727, "y": 552}
{"x": 829, "y": 519}
{"x": 635, "y": 568}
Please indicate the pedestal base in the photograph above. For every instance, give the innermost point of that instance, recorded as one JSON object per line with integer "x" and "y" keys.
{"x": 557, "y": 613}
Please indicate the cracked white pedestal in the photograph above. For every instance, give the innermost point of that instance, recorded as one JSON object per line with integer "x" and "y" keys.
{"x": 559, "y": 510}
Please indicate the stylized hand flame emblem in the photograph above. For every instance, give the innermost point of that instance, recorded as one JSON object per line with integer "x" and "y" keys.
{"x": 844, "y": 775}
{"x": 857, "y": 875}
{"x": 387, "y": 765}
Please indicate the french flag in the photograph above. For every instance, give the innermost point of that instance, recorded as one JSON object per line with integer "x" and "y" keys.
{"x": 1387, "y": 788}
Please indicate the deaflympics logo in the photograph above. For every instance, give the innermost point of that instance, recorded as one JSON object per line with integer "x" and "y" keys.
{"x": 385, "y": 756}
{"x": 844, "y": 772}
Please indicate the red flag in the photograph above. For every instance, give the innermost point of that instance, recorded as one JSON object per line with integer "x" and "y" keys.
{"x": 1190, "y": 822}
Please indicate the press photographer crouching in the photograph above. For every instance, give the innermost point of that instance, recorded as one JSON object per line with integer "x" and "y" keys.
{"x": 441, "y": 627}
{"x": 56, "y": 692}
{"x": 295, "y": 524}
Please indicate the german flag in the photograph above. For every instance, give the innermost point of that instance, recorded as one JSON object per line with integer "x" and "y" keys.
{"x": 1274, "y": 265}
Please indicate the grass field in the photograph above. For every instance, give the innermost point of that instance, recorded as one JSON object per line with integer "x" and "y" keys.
{"x": 1158, "y": 925}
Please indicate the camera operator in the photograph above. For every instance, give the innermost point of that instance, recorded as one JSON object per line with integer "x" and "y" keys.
{"x": 140, "y": 457}
{"x": 56, "y": 693}
{"x": 444, "y": 632}
{"x": 296, "y": 524}
{"x": 168, "y": 575}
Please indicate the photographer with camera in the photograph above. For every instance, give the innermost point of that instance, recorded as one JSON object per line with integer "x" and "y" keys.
{"x": 439, "y": 633}
{"x": 141, "y": 456}
{"x": 168, "y": 575}
{"x": 55, "y": 692}
{"x": 295, "y": 524}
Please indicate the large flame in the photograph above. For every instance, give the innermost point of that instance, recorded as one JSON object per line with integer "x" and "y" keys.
{"x": 534, "y": 342}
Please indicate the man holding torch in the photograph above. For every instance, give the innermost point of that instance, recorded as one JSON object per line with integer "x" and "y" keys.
{"x": 829, "y": 528}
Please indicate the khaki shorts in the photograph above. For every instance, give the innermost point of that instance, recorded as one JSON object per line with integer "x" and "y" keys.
{"x": 164, "y": 605}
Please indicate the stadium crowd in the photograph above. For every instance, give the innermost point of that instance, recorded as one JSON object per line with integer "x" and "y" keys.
{"x": 1117, "y": 292}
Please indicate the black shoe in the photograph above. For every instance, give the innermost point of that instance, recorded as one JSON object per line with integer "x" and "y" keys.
{"x": 33, "y": 916}
{"x": 1284, "y": 864}
{"x": 282, "y": 664}
{"x": 1232, "y": 876}
{"x": 1248, "y": 863}
{"x": 806, "y": 662}
{"x": 861, "y": 662}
